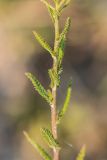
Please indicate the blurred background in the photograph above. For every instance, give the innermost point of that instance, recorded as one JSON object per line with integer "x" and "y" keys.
{"x": 21, "y": 108}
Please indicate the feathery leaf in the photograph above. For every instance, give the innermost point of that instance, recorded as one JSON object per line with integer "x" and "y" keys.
{"x": 38, "y": 87}
{"x": 51, "y": 9}
{"x": 51, "y": 75}
{"x": 59, "y": 76}
{"x": 60, "y": 57}
{"x": 66, "y": 103}
{"x": 65, "y": 30}
{"x": 61, "y": 52}
{"x": 55, "y": 77}
{"x": 41, "y": 151}
{"x": 82, "y": 153}
{"x": 43, "y": 43}
{"x": 62, "y": 40}
{"x": 63, "y": 4}
{"x": 48, "y": 136}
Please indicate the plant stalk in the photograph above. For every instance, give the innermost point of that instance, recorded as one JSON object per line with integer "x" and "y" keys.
{"x": 54, "y": 91}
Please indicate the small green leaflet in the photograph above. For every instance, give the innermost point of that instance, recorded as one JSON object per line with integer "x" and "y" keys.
{"x": 61, "y": 52}
{"x": 43, "y": 43}
{"x": 62, "y": 40}
{"x": 60, "y": 58}
{"x": 63, "y": 4}
{"x": 66, "y": 29}
{"x": 66, "y": 103}
{"x": 51, "y": 10}
{"x": 60, "y": 70}
{"x": 38, "y": 87}
{"x": 82, "y": 153}
{"x": 55, "y": 77}
{"x": 48, "y": 136}
{"x": 41, "y": 151}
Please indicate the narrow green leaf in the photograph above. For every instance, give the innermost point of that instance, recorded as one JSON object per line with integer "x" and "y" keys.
{"x": 61, "y": 47}
{"x": 61, "y": 52}
{"x": 43, "y": 43}
{"x": 62, "y": 40}
{"x": 48, "y": 136}
{"x": 82, "y": 153}
{"x": 60, "y": 59}
{"x": 65, "y": 30}
{"x": 63, "y": 4}
{"x": 41, "y": 151}
{"x": 66, "y": 103}
{"x": 38, "y": 87}
{"x": 54, "y": 77}
{"x": 60, "y": 70}
{"x": 51, "y": 9}
{"x": 52, "y": 13}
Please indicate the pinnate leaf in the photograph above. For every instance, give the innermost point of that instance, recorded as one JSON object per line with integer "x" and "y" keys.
{"x": 43, "y": 43}
{"x": 51, "y": 9}
{"x": 66, "y": 29}
{"x": 66, "y": 103}
{"x": 62, "y": 40}
{"x": 61, "y": 47}
{"x": 63, "y": 4}
{"x": 38, "y": 87}
{"x": 48, "y": 136}
{"x": 41, "y": 151}
{"x": 51, "y": 75}
{"x": 55, "y": 77}
{"x": 61, "y": 52}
